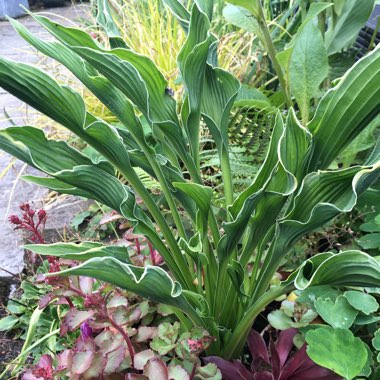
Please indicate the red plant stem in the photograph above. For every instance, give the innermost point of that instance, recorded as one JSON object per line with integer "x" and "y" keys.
{"x": 151, "y": 251}
{"x": 125, "y": 336}
{"x": 68, "y": 300}
{"x": 193, "y": 371}
{"x": 138, "y": 248}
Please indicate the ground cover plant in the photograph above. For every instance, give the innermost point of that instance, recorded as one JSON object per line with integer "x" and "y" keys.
{"x": 219, "y": 273}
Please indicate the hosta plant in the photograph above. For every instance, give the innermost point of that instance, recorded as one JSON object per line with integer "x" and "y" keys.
{"x": 218, "y": 274}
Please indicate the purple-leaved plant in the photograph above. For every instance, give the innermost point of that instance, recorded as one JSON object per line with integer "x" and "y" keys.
{"x": 279, "y": 361}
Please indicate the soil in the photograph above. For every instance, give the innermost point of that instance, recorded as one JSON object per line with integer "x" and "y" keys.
{"x": 10, "y": 346}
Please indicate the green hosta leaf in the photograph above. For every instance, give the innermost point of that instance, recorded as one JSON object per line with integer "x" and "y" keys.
{"x": 322, "y": 196}
{"x": 242, "y": 18}
{"x": 112, "y": 97}
{"x": 363, "y": 302}
{"x": 335, "y": 349}
{"x": 82, "y": 251}
{"x": 192, "y": 62}
{"x": 219, "y": 93}
{"x": 308, "y": 67}
{"x": 38, "y": 89}
{"x": 345, "y": 111}
{"x": 180, "y": 12}
{"x": 352, "y": 17}
{"x": 338, "y": 314}
{"x": 30, "y": 145}
{"x": 150, "y": 282}
{"x": 350, "y": 268}
{"x": 206, "y": 6}
{"x": 105, "y": 19}
{"x": 57, "y": 185}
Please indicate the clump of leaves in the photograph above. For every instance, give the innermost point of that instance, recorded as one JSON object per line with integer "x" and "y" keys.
{"x": 278, "y": 361}
{"x": 294, "y": 192}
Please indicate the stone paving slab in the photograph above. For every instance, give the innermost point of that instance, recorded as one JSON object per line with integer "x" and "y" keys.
{"x": 14, "y": 191}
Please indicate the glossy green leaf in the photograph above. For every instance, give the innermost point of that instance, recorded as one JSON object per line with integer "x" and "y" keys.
{"x": 345, "y": 111}
{"x": 361, "y": 301}
{"x": 82, "y": 251}
{"x": 251, "y": 5}
{"x": 105, "y": 19}
{"x": 376, "y": 340}
{"x": 242, "y": 18}
{"x": 324, "y": 341}
{"x": 150, "y": 282}
{"x": 350, "y": 268}
{"x": 338, "y": 313}
{"x": 38, "y": 89}
{"x": 352, "y": 16}
{"x": 180, "y": 12}
{"x": 192, "y": 62}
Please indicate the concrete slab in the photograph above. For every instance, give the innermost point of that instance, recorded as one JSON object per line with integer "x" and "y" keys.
{"x": 14, "y": 191}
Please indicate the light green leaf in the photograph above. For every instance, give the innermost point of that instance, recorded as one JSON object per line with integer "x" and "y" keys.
{"x": 338, "y": 314}
{"x": 251, "y": 5}
{"x": 192, "y": 62}
{"x": 82, "y": 251}
{"x": 352, "y": 17}
{"x": 241, "y": 18}
{"x": 308, "y": 67}
{"x": 324, "y": 341}
{"x": 376, "y": 340}
{"x": 370, "y": 241}
{"x": 150, "y": 282}
{"x": 350, "y": 268}
{"x": 180, "y": 12}
{"x": 8, "y": 322}
{"x": 363, "y": 302}
{"x": 105, "y": 20}
{"x": 345, "y": 111}
{"x": 252, "y": 97}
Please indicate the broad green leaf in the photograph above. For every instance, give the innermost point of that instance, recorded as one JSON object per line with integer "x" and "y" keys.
{"x": 82, "y": 251}
{"x": 192, "y": 62}
{"x": 56, "y": 185}
{"x": 180, "y": 12}
{"x": 8, "y": 322}
{"x": 150, "y": 282}
{"x": 363, "y": 302}
{"x": 39, "y": 90}
{"x": 370, "y": 241}
{"x": 108, "y": 94}
{"x": 105, "y": 19}
{"x": 350, "y": 268}
{"x": 345, "y": 111}
{"x": 308, "y": 67}
{"x": 338, "y": 313}
{"x": 30, "y": 145}
{"x": 200, "y": 194}
{"x": 352, "y": 17}
{"x": 324, "y": 341}
{"x": 376, "y": 340}
{"x": 251, "y": 5}
{"x": 206, "y": 6}
{"x": 242, "y": 18}
{"x": 252, "y": 97}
